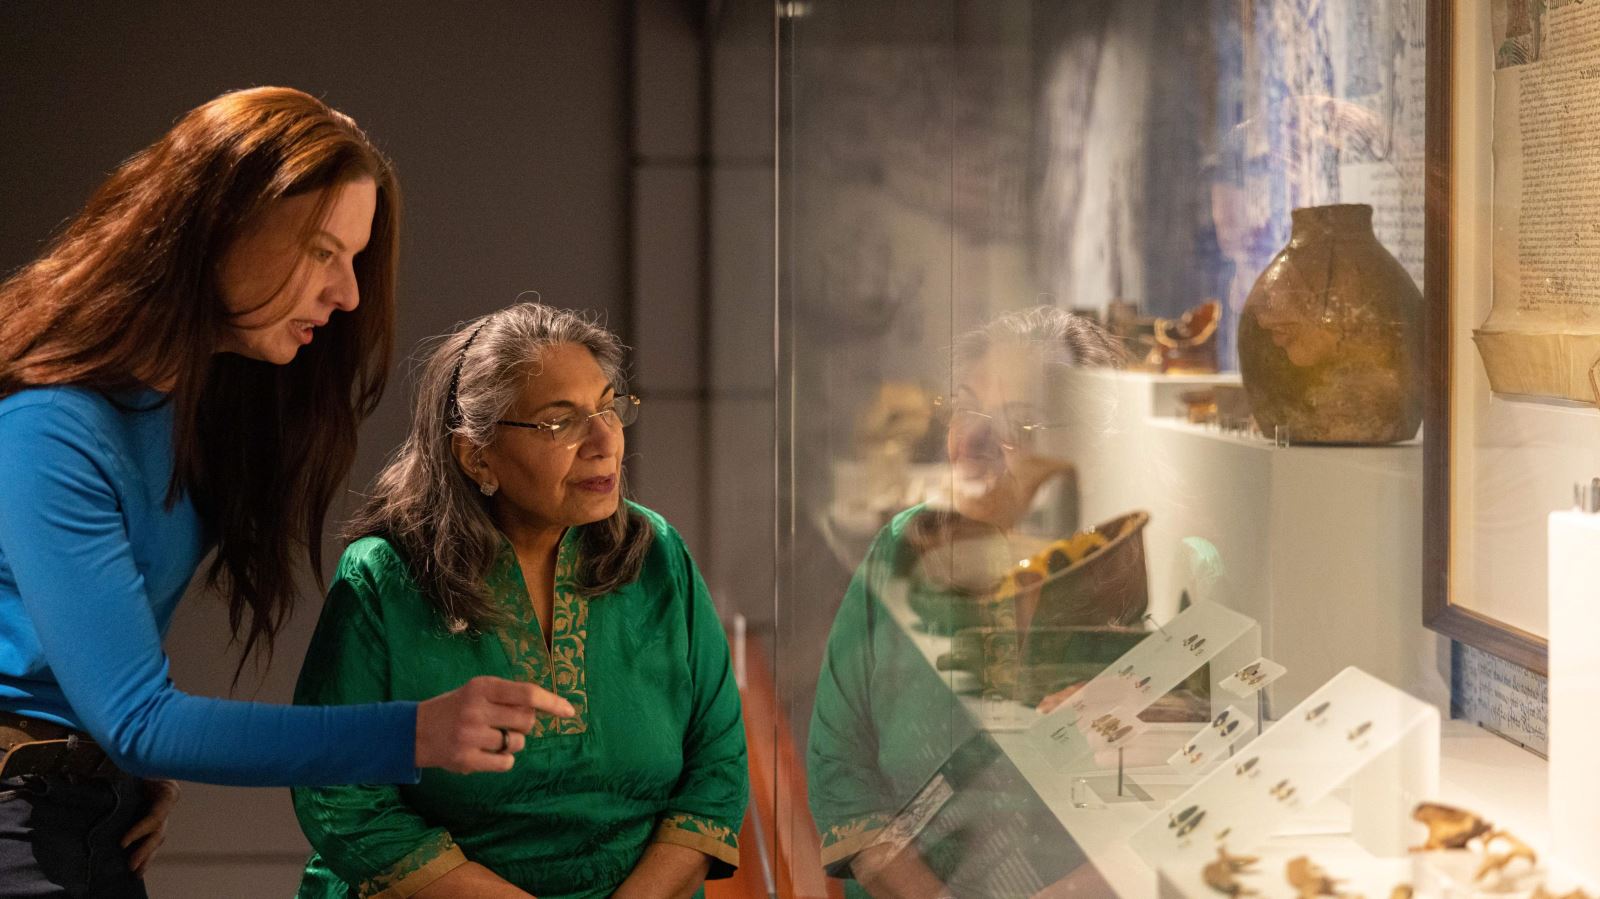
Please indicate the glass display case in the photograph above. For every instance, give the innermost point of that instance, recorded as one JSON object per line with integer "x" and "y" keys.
{"x": 1105, "y": 337}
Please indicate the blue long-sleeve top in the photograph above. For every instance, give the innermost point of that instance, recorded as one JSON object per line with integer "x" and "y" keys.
{"x": 92, "y": 565}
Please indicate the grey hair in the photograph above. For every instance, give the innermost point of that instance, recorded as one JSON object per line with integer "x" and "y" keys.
{"x": 426, "y": 505}
{"x": 1064, "y": 337}
{"x": 1058, "y": 338}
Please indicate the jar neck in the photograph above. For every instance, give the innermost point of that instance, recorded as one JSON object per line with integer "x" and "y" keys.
{"x": 1345, "y": 221}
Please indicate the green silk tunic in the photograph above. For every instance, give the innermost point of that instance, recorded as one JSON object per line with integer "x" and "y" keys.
{"x": 655, "y": 753}
{"x": 886, "y": 722}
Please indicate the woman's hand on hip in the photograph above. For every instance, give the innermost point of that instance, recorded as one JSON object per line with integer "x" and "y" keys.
{"x": 145, "y": 837}
{"x": 482, "y": 725}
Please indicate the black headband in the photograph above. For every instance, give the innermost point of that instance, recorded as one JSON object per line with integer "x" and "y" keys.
{"x": 452, "y": 415}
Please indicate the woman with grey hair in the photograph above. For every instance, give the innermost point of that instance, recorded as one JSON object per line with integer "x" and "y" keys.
{"x": 885, "y": 723}
{"x": 497, "y": 542}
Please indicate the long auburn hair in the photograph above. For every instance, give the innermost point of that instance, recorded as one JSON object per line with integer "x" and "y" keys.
{"x": 128, "y": 296}
{"x": 426, "y": 504}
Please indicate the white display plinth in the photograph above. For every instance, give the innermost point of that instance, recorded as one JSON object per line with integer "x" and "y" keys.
{"x": 1575, "y": 691}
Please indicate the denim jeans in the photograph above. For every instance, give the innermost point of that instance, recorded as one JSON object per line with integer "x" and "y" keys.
{"x": 60, "y": 838}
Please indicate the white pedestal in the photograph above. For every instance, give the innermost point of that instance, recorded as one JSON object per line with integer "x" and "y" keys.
{"x": 1575, "y": 690}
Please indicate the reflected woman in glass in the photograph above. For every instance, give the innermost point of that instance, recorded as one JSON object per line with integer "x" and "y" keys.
{"x": 497, "y": 542}
{"x": 886, "y": 727}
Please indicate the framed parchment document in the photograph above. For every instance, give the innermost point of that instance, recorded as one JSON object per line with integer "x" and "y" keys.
{"x": 1542, "y": 334}
{"x": 1513, "y": 296}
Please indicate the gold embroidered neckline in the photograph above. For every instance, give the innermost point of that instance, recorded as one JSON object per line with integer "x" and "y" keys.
{"x": 562, "y": 668}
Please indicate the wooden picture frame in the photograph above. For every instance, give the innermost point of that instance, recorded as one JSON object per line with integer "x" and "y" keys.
{"x": 1441, "y": 610}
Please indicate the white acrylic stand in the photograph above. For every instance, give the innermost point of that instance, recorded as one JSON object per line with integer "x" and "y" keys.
{"x": 1214, "y": 742}
{"x": 1575, "y": 691}
{"x": 1355, "y": 730}
{"x": 1105, "y": 713}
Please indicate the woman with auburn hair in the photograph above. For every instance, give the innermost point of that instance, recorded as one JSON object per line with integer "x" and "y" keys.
{"x": 498, "y": 541}
{"x": 182, "y": 373}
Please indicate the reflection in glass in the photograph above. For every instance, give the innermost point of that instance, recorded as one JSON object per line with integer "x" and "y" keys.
{"x": 910, "y": 795}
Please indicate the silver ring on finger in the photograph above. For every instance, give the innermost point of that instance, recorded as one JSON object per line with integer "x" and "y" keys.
{"x": 505, "y": 740}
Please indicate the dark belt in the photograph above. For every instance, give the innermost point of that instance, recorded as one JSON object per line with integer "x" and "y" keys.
{"x": 42, "y": 748}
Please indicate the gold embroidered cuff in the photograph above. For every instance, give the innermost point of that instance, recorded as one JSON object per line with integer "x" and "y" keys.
{"x": 701, "y": 835}
{"x": 841, "y": 842}
{"x": 422, "y": 866}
